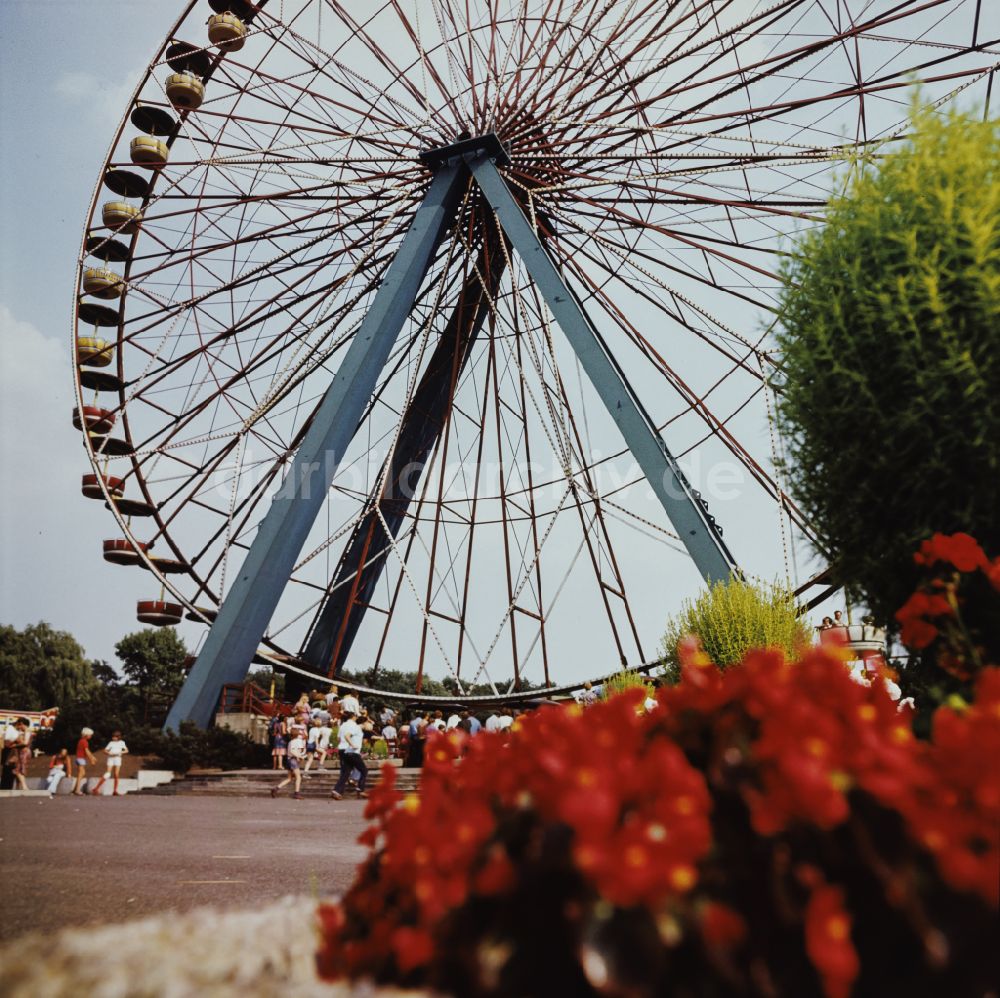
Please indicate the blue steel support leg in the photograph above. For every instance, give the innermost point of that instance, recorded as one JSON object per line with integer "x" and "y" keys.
{"x": 697, "y": 530}
{"x": 247, "y": 609}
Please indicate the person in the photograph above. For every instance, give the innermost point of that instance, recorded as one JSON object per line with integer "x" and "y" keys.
{"x": 114, "y": 750}
{"x": 60, "y": 766}
{"x": 493, "y": 723}
{"x": 349, "y": 751}
{"x": 280, "y": 748}
{"x": 838, "y": 619}
{"x": 302, "y": 711}
{"x": 390, "y": 734}
{"x": 454, "y": 720}
{"x": 506, "y": 719}
{"x": 367, "y": 731}
{"x": 588, "y": 696}
{"x": 471, "y": 723}
{"x": 332, "y": 696}
{"x": 437, "y": 721}
{"x": 350, "y": 704}
{"x": 320, "y": 713}
{"x": 516, "y": 720}
{"x": 84, "y": 757}
{"x": 311, "y": 735}
{"x": 415, "y": 746}
{"x": 650, "y": 703}
{"x": 386, "y": 715}
{"x": 293, "y": 763}
{"x": 20, "y": 752}
{"x": 322, "y": 734}
{"x": 276, "y": 731}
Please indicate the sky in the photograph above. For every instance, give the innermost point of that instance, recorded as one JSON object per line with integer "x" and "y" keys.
{"x": 66, "y": 75}
{"x": 66, "y": 80}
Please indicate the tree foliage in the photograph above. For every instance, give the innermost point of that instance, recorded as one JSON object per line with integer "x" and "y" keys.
{"x": 41, "y": 668}
{"x": 889, "y": 321}
{"x": 732, "y": 617}
{"x": 153, "y": 660}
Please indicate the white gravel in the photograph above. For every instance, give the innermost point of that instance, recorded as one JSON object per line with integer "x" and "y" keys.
{"x": 260, "y": 953}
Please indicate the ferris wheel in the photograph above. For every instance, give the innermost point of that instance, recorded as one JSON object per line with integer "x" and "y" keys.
{"x": 411, "y": 334}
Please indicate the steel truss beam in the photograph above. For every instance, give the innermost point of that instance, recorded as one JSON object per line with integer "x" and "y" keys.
{"x": 364, "y": 557}
{"x": 685, "y": 507}
{"x": 248, "y": 607}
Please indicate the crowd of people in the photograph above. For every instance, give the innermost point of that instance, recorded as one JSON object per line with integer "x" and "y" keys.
{"x": 18, "y": 752}
{"x": 324, "y": 726}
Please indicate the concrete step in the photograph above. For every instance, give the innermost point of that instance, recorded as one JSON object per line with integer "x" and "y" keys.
{"x": 256, "y": 783}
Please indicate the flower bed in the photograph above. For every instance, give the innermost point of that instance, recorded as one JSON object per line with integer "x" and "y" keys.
{"x": 775, "y": 829}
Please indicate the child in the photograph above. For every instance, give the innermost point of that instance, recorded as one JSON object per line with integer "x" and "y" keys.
{"x": 114, "y": 750}
{"x": 296, "y": 757}
{"x": 311, "y": 735}
{"x": 323, "y": 736}
{"x": 60, "y": 766}
{"x": 83, "y": 757}
{"x": 280, "y": 748}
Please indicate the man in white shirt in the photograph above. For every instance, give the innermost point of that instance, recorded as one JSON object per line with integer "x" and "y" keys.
{"x": 493, "y": 723}
{"x": 454, "y": 721}
{"x": 349, "y": 704}
{"x": 349, "y": 750}
{"x": 506, "y": 719}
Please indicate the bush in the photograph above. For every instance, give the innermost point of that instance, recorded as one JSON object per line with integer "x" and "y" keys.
{"x": 216, "y": 748}
{"x": 731, "y": 617}
{"x": 767, "y": 831}
{"x": 627, "y": 679}
{"x": 888, "y": 333}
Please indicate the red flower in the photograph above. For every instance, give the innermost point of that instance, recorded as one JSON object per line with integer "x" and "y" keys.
{"x": 992, "y": 571}
{"x": 917, "y": 631}
{"x": 960, "y": 550}
{"x": 721, "y": 926}
{"x": 412, "y": 948}
{"x": 828, "y": 941}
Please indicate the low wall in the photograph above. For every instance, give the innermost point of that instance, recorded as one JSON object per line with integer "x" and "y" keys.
{"x": 254, "y": 725}
{"x": 142, "y": 780}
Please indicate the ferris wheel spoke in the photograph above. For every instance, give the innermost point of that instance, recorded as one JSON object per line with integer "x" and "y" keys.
{"x": 662, "y": 152}
{"x": 715, "y": 333}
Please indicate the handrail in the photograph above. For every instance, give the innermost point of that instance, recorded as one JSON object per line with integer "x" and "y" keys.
{"x": 249, "y": 698}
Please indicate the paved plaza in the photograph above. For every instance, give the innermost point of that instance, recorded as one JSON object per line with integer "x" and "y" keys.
{"x": 73, "y": 861}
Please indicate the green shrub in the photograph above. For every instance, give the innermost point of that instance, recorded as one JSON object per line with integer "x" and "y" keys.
{"x": 216, "y": 748}
{"x": 889, "y": 324}
{"x": 627, "y": 679}
{"x": 733, "y": 616}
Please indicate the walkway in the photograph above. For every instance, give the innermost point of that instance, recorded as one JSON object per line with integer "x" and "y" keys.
{"x": 85, "y": 861}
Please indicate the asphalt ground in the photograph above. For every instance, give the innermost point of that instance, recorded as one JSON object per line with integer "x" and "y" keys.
{"x": 85, "y": 861}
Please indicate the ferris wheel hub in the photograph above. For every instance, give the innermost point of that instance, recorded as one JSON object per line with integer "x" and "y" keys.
{"x": 488, "y": 144}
